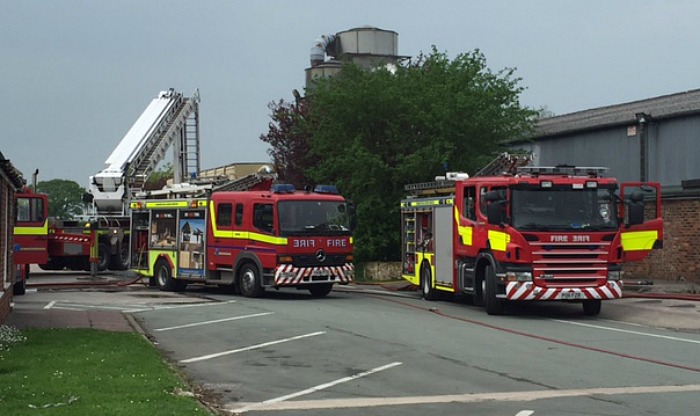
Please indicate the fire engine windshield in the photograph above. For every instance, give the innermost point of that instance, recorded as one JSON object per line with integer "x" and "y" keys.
{"x": 563, "y": 208}
{"x": 313, "y": 218}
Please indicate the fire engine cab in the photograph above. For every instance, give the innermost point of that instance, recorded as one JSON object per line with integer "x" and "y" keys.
{"x": 521, "y": 233}
{"x": 263, "y": 235}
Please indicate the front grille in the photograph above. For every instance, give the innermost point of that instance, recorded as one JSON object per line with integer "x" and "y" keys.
{"x": 570, "y": 263}
{"x": 312, "y": 261}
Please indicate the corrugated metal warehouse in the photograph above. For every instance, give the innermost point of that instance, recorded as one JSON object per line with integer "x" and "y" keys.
{"x": 656, "y": 139}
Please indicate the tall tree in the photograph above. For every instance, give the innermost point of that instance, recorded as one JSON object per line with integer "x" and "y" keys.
{"x": 64, "y": 198}
{"x": 289, "y": 140}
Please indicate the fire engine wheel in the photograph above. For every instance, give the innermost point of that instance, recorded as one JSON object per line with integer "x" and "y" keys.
{"x": 164, "y": 278}
{"x": 20, "y": 288}
{"x": 249, "y": 282}
{"x": 53, "y": 264}
{"x": 103, "y": 257}
{"x": 426, "y": 282}
{"x": 591, "y": 307}
{"x": 320, "y": 290}
{"x": 120, "y": 260}
{"x": 494, "y": 306}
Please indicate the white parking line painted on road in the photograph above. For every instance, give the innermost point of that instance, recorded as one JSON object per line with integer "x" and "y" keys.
{"x": 318, "y": 388}
{"x": 252, "y": 347}
{"x": 83, "y": 306}
{"x": 50, "y": 304}
{"x": 517, "y": 396}
{"x": 188, "y": 305}
{"x": 216, "y": 321}
{"x": 65, "y": 308}
{"x": 627, "y": 331}
{"x": 525, "y": 413}
{"x": 623, "y": 323}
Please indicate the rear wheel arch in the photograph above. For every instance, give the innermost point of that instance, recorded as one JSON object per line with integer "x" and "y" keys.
{"x": 426, "y": 281}
{"x": 241, "y": 260}
{"x": 163, "y": 274}
{"x": 249, "y": 278}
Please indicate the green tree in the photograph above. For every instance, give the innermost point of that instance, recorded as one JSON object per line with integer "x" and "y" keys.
{"x": 372, "y": 132}
{"x": 64, "y": 198}
{"x": 289, "y": 141}
{"x": 159, "y": 178}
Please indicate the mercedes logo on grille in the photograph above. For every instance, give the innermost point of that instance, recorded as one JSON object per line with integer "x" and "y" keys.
{"x": 321, "y": 256}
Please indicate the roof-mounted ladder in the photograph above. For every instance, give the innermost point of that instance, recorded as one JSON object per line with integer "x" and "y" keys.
{"x": 505, "y": 164}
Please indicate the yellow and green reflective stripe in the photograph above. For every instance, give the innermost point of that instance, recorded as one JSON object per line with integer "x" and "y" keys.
{"x": 243, "y": 235}
{"x": 638, "y": 240}
{"x": 40, "y": 230}
{"x": 499, "y": 240}
{"x": 465, "y": 233}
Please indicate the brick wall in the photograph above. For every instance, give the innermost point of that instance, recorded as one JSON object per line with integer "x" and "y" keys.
{"x": 5, "y": 294}
{"x": 679, "y": 260}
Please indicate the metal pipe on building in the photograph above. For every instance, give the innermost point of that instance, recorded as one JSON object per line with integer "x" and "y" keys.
{"x": 642, "y": 119}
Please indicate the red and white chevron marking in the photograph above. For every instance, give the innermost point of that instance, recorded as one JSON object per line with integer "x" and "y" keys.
{"x": 71, "y": 238}
{"x": 528, "y": 291}
{"x": 288, "y": 275}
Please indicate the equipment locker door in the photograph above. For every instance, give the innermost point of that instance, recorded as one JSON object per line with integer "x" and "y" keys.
{"x": 442, "y": 239}
{"x": 191, "y": 242}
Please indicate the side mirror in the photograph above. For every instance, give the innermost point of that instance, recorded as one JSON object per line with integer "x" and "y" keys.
{"x": 635, "y": 209}
{"x": 494, "y": 213}
{"x": 636, "y": 197}
{"x": 493, "y": 196}
{"x": 353, "y": 216}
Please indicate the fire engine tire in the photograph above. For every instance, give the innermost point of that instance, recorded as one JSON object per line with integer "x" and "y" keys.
{"x": 426, "y": 282}
{"x": 53, "y": 264}
{"x": 20, "y": 288}
{"x": 320, "y": 290}
{"x": 591, "y": 307}
{"x": 164, "y": 278}
{"x": 249, "y": 283}
{"x": 494, "y": 306}
{"x": 120, "y": 260}
{"x": 103, "y": 257}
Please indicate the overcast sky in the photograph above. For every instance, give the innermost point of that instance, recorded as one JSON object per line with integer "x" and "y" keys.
{"x": 77, "y": 74}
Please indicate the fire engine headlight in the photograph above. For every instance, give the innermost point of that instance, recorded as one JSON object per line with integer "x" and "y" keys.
{"x": 284, "y": 259}
{"x": 519, "y": 276}
{"x": 614, "y": 274}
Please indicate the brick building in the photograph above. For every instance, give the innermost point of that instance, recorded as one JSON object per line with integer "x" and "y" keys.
{"x": 656, "y": 139}
{"x": 10, "y": 181}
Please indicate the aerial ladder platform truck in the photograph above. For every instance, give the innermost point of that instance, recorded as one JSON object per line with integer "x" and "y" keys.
{"x": 517, "y": 233}
{"x": 100, "y": 239}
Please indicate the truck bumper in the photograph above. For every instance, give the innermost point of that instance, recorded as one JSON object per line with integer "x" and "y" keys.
{"x": 528, "y": 291}
{"x": 288, "y": 275}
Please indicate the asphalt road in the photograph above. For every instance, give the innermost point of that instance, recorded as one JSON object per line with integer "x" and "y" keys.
{"x": 357, "y": 353}
{"x": 289, "y": 354}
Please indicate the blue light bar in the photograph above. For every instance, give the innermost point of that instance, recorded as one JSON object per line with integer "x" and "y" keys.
{"x": 326, "y": 189}
{"x": 283, "y": 188}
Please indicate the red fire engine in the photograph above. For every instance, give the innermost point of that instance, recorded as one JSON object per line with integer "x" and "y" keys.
{"x": 55, "y": 244}
{"x": 265, "y": 236}
{"x": 537, "y": 234}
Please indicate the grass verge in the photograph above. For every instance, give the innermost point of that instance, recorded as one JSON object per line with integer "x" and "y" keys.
{"x": 89, "y": 372}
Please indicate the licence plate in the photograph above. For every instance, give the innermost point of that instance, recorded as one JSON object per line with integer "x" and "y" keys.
{"x": 572, "y": 295}
{"x": 319, "y": 272}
